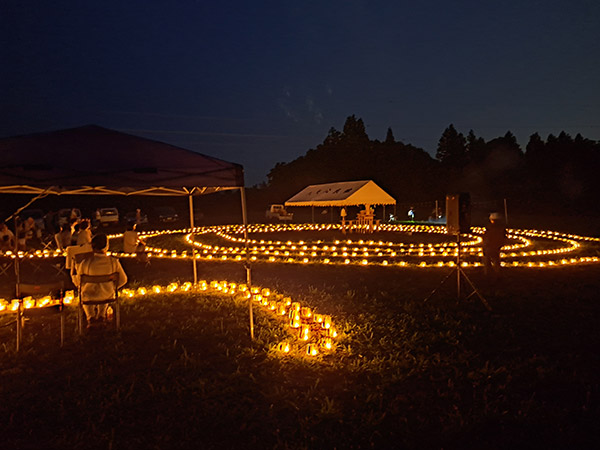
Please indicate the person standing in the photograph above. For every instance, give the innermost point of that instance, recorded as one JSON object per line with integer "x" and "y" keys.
{"x": 493, "y": 240}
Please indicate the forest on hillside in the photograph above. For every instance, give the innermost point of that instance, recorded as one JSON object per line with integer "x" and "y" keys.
{"x": 556, "y": 174}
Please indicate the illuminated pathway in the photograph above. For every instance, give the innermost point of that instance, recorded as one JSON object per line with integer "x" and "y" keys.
{"x": 311, "y": 333}
{"x": 526, "y": 248}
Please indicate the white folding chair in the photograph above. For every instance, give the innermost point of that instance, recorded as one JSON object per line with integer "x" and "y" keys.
{"x": 112, "y": 300}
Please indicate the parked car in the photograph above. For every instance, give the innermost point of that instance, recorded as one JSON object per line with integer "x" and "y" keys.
{"x": 108, "y": 216}
{"x": 278, "y": 213}
{"x": 166, "y": 214}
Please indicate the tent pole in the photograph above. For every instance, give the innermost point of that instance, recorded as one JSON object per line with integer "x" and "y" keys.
{"x": 17, "y": 259}
{"x": 194, "y": 266}
{"x": 247, "y": 264}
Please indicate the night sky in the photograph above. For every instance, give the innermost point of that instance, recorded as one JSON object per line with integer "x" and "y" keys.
{"x": 262, "y": 82}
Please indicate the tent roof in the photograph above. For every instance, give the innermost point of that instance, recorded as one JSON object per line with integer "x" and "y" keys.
{"x": 345, "y": 193}
{"x": 96, "y": 160}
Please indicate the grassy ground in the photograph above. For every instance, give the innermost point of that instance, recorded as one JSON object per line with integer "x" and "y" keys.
{"x": 183, "y": 372}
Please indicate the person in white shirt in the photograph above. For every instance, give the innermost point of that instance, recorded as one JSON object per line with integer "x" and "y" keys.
{"x": 85, "y": 234}
{"x": 98, "y": 264}
{"x": 131, "y": 240}
{"x": 133, "y": 244}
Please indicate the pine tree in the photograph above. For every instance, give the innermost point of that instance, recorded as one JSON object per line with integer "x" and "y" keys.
{"x": 354, "y": 129}
{"x": 475, "y": 148}
{"x": 389, "y": 137}
{"x": 451, "y": 149}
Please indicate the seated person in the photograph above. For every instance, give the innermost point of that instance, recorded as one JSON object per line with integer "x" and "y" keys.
{"x": 99, "y": 263}
{"x": 131, "y": 240}
{"x": 85, "y": 234}
{"x": 7, "y": 236}
{"x": 21, "y": 241}
{"x": 63, "y": 237}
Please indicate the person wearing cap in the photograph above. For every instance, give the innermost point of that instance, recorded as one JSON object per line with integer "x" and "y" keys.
{"x": 493, "y": 240}
{"x": 100, "y": 263}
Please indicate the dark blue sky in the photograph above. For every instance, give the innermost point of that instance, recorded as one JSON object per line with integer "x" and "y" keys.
{"x": 262, "y": 82}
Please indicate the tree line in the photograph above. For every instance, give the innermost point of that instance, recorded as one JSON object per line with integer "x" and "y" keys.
{"x": 555, "y": 175}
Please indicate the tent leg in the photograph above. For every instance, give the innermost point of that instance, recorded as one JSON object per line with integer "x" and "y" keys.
{"x": 194, "y": 264}
{"x": 247, "y": 263}
{"x": 17, "y": 261}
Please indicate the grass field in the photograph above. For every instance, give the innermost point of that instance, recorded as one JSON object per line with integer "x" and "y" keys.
{"x": 183, "y": 372}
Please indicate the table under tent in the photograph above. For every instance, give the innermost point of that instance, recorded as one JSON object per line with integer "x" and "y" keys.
{"x": 342, "y": 195}
{"x": 93, "y": 160}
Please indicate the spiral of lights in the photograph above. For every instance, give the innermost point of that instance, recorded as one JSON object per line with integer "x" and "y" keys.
{"x": 523, "y": 249}
{"x": 308, "y": 332}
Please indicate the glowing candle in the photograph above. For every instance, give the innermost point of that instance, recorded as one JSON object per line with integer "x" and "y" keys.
{"x": 283, "y": 347}
{"x": 304, "y": 332}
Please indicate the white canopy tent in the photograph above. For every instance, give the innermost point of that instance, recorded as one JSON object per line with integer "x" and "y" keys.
{"x": 343, "y": 193}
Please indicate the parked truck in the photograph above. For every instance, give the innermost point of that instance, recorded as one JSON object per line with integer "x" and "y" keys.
{"x": 278, "y": 213}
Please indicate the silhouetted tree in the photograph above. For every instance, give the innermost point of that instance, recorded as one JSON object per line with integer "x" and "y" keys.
{"x": 560, "y": 173}
{"x": 389, "y": 137}
{"x": 334, "y": 137}
{"x": 451, "y": 149}
{"x": 535, "y": 147}
{"x": 354, "y": 129}
{"x": 475, "y": 148}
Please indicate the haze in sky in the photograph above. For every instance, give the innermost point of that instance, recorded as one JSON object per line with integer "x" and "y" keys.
{"x": 262, "y": 82}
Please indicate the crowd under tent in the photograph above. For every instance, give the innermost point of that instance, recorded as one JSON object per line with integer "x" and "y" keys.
{"x": 93, "y": 160}
{"x": 342, "y": 194}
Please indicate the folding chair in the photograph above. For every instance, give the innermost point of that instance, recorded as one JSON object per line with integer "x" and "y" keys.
{"x": 96, "y": 279}
{"x": 31, "y": 264}
{"x": 4, "y": 266}
{"x": 47, "y": 241}
{"x": 55, "y": 290}
{"x": 59, "y": 266}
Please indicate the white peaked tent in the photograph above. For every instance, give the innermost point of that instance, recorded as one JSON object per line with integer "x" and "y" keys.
{"x": 344, "y": 193}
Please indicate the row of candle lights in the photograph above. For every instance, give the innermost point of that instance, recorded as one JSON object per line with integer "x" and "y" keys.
{"x": 359, "y": 252}
{"x": 384, "y": 253}
{"x": 310, "y": 333}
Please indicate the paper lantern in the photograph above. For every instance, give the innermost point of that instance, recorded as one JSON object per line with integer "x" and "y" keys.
{"x": 311, "y": 350}
{"x": 304, "y": 332}
{"x": 326, "y": 343}
{"x": 283, "y": 347}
